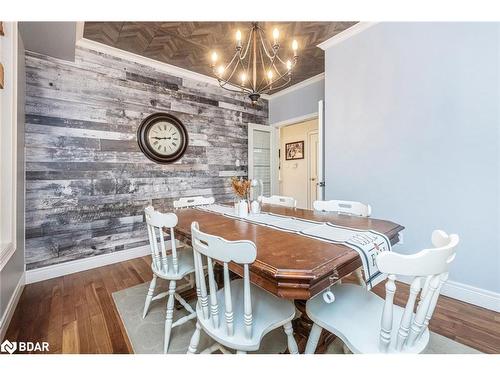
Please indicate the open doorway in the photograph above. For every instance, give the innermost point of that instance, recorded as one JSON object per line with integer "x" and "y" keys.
{"x": 298, "y": 161}
{"x": 296, "y": 176}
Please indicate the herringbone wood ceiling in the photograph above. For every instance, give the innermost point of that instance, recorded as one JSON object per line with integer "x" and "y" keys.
{"x": 188, "y": 44}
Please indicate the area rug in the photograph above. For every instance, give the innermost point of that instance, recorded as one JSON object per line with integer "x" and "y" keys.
{"x": 146, "y": 335}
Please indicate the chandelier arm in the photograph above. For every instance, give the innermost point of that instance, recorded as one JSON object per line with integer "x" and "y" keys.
{"x": 263, "y": 43}
{"x": 267, "y": 89}
{"x": 226, "y": 80}
{"x": 228, "y": 65}
{"x": 280, "y": 77}
{"x": 244, "y": 89}
{"x": 281, "y": 61}
{"x": 240, "y": 63}
{"x": 232, "y": 73}
{"x": 279, "y": 73}
{"x": 241, "y": 60}
{"x": 247, "y": 48}
{"x": 264, "y": 77}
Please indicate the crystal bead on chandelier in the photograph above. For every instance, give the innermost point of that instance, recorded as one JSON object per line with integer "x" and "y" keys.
{"x": 276, "y": 73}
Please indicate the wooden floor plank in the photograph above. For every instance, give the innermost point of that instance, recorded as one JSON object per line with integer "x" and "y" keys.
{"x": 76, "y": 313}
{"x": 70, "y": 340}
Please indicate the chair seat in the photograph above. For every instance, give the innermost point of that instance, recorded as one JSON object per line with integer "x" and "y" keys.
{"x": 185, "y": 262}
{"x": 355, "y": 316}
{"x": 268, "y": 311}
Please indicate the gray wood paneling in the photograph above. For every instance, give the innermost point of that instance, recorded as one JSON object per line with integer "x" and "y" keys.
{"x": 87, "y": 182}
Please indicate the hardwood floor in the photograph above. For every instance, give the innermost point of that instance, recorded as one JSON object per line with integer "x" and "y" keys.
{"x": 76, "y": 313}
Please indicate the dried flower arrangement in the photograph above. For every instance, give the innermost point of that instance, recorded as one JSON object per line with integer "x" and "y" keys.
{"x": 241, "y": 187}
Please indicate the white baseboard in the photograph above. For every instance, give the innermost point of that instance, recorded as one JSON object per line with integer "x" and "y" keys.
{"x": 11, "y": 307}
{"x": 468, "y": 293}
{"x": 49, "y": 272}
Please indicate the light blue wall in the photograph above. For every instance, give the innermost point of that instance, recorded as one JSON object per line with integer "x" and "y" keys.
{"x": 296, "y": 103}
{"x": 412, "y": 127}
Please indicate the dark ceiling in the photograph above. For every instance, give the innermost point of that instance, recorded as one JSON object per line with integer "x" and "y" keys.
{"x": 188, "y": 44}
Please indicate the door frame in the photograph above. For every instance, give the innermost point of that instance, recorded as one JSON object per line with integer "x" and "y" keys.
{"x": 275, "y": 145}
{"x": 251, "y": 128}
{"x": 309, "y": 134}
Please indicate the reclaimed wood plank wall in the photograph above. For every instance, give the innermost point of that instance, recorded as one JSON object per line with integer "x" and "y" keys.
{"x": 87, "y": 182}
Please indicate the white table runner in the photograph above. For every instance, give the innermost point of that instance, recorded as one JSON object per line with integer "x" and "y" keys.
{"x": 367, "y": 243}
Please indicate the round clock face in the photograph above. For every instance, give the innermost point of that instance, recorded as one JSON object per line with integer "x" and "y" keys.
{"x": 162, "y": 138}
{"x": 165, "y": 138}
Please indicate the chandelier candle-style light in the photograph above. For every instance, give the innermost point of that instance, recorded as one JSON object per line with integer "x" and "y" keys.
{"x": 243, "y": 73}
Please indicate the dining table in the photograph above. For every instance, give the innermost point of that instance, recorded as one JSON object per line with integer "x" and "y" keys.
{"x": 287, "y": 264}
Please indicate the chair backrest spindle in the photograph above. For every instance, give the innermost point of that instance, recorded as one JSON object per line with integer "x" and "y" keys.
{"x": 247, "y": 301}
{"x": 156, "y": 221}
{"x": 217, "y": 249}
{"x": 228, "y": 302}
{"x": 386, "y": 323}
{"x": 214, "y": 307}
{"x": 404, "y": 327}
{"x": 429, "y": 268}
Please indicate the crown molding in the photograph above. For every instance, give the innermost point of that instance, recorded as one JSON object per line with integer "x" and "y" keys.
{"x": 298, "y": 86}
{"x": 346, "y": 34}
{"x": 155, "y": 64}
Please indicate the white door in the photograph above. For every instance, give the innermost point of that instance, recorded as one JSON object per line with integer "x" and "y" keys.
{"x": 312, "y": 189}
{"x": 320, "y": 185}
{"x": 259, "y": 155}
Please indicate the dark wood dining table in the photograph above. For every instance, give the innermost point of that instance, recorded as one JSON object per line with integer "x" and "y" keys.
{"x": 289, "y": 265}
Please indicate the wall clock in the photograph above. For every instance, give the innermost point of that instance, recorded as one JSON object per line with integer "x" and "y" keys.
{"x": 162, "y": 138}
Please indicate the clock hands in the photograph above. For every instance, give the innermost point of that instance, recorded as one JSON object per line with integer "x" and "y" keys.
{"x": 162, "y": 137}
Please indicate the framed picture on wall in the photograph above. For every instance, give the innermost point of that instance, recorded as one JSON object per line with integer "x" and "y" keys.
{"x": 294, "y": 150}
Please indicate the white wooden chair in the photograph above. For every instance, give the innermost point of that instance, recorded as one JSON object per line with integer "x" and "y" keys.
{"x": 355, "y": 315}
{"x": 193, "y": 201}
{"x": 348, "y": 208}
{"x": 344, "y": 207}
{"x": 173, "y": 267}
{"x": 279, "y": 200}
{"x": 240, "y": 314}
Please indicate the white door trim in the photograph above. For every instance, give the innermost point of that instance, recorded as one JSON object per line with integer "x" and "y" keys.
{"x": 295, "y": 120}
{"x": 8, "y": 143}
{"x": 251, "y": 128}
{"x": 309, "y": 134}
{"x": 275, "y": 145}
{"x": 321, "y": 151}
{"x": 11, "y": 307}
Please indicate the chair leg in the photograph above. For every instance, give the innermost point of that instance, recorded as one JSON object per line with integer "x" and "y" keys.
{"x": 170, "y": 315}
{"x": 292, "y": 344}
{"x": 195, "y": 339}
{"x": 149, "y": 296}
{"x": 359, "y": 277}
{"x": 312, "y": 341}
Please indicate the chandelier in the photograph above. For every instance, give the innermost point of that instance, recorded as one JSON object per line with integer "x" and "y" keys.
{"x": 256, "y": 67}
